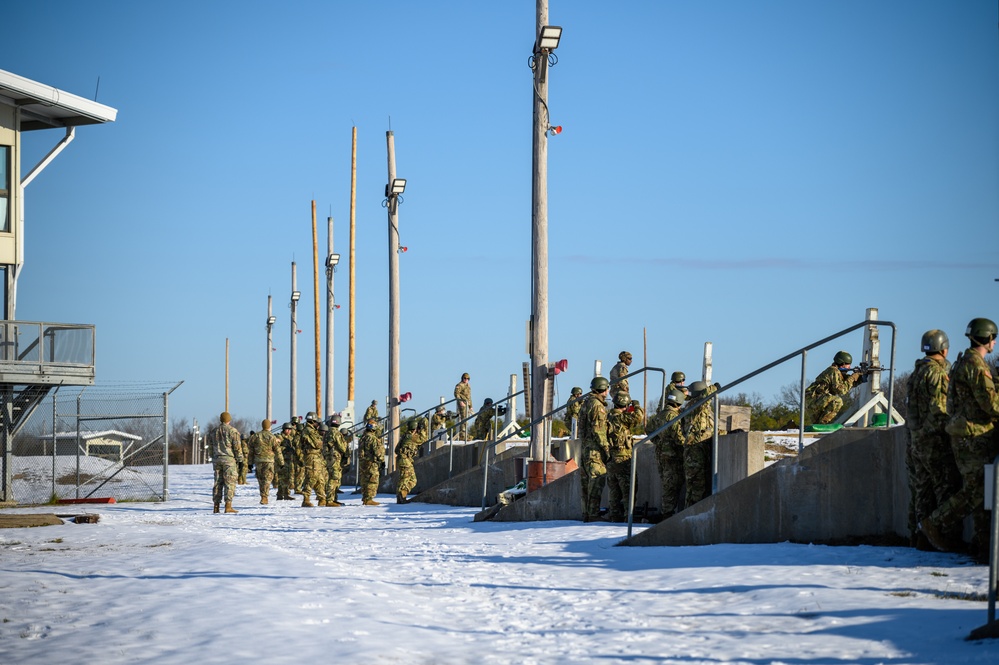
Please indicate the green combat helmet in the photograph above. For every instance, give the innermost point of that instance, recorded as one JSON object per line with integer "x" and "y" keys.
{"x": 323, "y": 427}
{"x": 698, "y": 389}
{"x": 934, "y": 341}
{"x": 622, "y": 399}
{"x": 842, "y": 358}
{"x": 311, "y": 417}
{"x": 576, "y": 391}
{"x": 676, "y": 397}
{"x": 981, "y": 331}
{"x": 678, "y": 377}
{"x": 599, "y": 384}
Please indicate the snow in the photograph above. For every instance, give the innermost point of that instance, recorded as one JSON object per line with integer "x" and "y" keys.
{"x": 172, "y": 583}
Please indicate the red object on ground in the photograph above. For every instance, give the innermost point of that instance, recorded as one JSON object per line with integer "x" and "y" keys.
{"x": 109, "y": 499}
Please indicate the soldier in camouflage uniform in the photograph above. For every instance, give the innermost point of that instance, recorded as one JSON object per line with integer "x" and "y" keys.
{"x": 573, "y": 407}
{"x": 371, "y": 413}
{"x": 334, "y": 452}
{"x": 619, "y": 384}
{"x": 242, "y": 466}
{"x": 625, "y": 415}
{"x": 669, "y": 452}
{"x": 405, "y": 456}
{"x": 933, "y": 474}
{"x": 227, "y": 450}
{"x": 823, "y": 398}
{"x": 264, "y": 451}
{"x": 482, "y": 429}
{"x": 439, "y": 420}
{"x": 973, "y": 404}
{"x": 463, "y": 393}
{"x": 596, "y": 449}
{"x": 372, "y": 455}
{"x": 698, "y": 431}
{"x": 299, "y": 482}
{"x": 315, "y": 465}
{"x": 286, "y": 471}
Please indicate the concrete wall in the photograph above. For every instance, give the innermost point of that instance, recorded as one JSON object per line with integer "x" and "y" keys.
{"x": 465, "y": 487}
{"x": 850, "y": 486}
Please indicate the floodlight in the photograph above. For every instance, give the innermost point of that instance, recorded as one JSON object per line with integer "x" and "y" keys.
{"x": 549, "y": 37}
{"x": 332, "y": 260}
{"x": 398, "y": 186}
{"x": 271, "y": 320}
{"x": 296, "y": 296}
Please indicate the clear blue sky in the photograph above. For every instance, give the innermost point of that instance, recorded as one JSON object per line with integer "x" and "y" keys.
{"x": 750, "y": 174}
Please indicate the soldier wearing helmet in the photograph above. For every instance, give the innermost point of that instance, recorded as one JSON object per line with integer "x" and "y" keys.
{"x": 286, "y": 471}
{"x": 227, "y": 450}
{"x": 973, "y": 411}
{"x": 933, "y": 474}
{"x": 698, "y": 429}
{"x": 463, "y": 395}
{"x": 572, "y": 410}
{"x": 482, "y": 429}
{"x": 371, "y": 411}
{"x": 371, "y": 456}
{"x": 335, "y": 453}
{"x": 618, "y": 374}
{"x": 265, "y": 451}
{"x": 669, "y": 452}
{"x": 621, "y": 421}
{"x": 676, "y": 382}
{"x": 824, "y": 397}
{"x": 315, "y": 465}
{"x": 595, "y": 450}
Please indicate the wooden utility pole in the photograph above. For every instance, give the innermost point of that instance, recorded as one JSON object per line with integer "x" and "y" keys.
{"x": 315, "y": 292}
{"x": 539, "y": 241}
{"x": 350, "y": 316}
{"x": 393, "y": 250}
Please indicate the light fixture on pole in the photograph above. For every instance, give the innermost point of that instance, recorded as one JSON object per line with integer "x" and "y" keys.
{"x": 548, "y": 38}
{"x": 270, "y": 359}
{"x": 393, "y": 197}
{"x": 332, "y": 260}
{"x": 396, "y": 187}
{"x": 296, "y": 296}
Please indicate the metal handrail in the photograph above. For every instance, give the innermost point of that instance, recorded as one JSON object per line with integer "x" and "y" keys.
{"x": 801, "y": 425}
{"x": 994, "y": 543}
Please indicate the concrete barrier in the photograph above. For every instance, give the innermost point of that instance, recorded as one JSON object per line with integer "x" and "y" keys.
{"x": 850, "y": 486}
{"x": 465, "y": 488}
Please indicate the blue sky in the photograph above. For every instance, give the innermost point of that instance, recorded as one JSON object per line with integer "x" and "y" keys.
{"x": 751, "y": 174}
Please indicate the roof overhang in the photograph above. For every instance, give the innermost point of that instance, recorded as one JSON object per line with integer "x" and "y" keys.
{"x": 45, "y": 107}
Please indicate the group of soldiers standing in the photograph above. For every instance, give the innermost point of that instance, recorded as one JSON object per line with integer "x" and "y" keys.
{"x": 683, "y": 449}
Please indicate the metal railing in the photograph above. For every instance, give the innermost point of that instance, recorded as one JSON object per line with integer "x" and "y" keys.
{"x": 994, "y": 543}
{"x": 32, "y": 347}
{"x": 803, "y": 352}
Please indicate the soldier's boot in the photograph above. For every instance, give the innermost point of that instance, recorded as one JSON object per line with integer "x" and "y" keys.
{"x": 935, "y": 536}
{"x": 229, "y": 508}
{"x": 263, "y": 500}
{"x": 400, "y": 497}
{"x": 321, "y": 502}
{"x": 216, "y": 509}
{"x": 306, "y": 503}
{"x": 333, "y": 504}
{"x": 371, "y": 502}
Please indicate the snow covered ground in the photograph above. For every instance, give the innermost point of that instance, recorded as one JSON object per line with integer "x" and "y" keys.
{"x": 418, "y": 584}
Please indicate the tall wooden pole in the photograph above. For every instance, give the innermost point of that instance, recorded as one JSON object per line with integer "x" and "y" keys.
{"x": 317, "y": 318}
{"x": 350, "y": 317}
{"x": 539, "y": 241}
{"x": 393, "y": 250}
{"x": 226, "y": 374}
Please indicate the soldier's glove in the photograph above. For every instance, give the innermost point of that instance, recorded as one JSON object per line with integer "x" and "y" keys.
{"x": 863, "y": 378}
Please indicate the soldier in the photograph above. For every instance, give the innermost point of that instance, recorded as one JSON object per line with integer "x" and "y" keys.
{"x": 669, "y": 452}
{"x": 227, "y": 450}
{"x": 241, "y": 466}
{"x": 933, "y": 474}
{"x": 286, "y": 472}
{"x": 463, "y": 393}
{"x": 372, "y": 455}
{"x": 572, "y": 409}
{"x": 439, "y": 420}
{"x": 482, "y": 429}
{"x": 405, "y": 454}
{"x": 335, "y": 451}
{"x": 595, "y": 452}
{"x": 676, "y": 380}
{"x": 371, "y": 413}
{"x": 625, "y": 415}
{"x": 620, "y": 371}
{"x": 823, "y": 398}
{"x": 264, "y": 450}
{"x": 973, "y": 404}
{"x": 299, "y": 482}
{"x": 698, "y": 430}
{"x": 348, "y": 439}
{"x": 315, "y": 465}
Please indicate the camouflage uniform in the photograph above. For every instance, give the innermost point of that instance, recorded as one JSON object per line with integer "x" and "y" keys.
{"x": 372, "y": 456}
{"x": 227, "y": 450}
{"x": 299, "y": 481}
{"x": 593, "y": 472}
{"x": 669, "y": 457}
{"x": 405, "y": 454}
{"x": 371, "y": 413}
{"x": 463, "y": 393}
{"x": 242, "y": 465}
{"x": 572, "y": 411}
{"x": 620, "y": 440}
{"x": 438, "y": 421}
{"x": 334, "y": 452}
{"x": 617, "y": 372}
{"x": 315, "y": 465}
{"x": 286, "y": 472}
{"x": 698, "y": 429}
{"x": 482, "y": 429}
{"x": 823, "y": 398}
{"x": 974, "y": 409}
{"x": 933, "y": 474}
{"x": 264, "y": 450}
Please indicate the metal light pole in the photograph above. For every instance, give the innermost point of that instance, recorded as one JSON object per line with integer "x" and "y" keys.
{"x": 546, "y": 41}
{"x": 331, "y": 261}
{"x": 296, "y": 295}
{"x": 270, "y": 356}
{"x": 394, "y": 188}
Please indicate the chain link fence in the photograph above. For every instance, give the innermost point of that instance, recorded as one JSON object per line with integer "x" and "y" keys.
{"x": 96, "y": 442}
